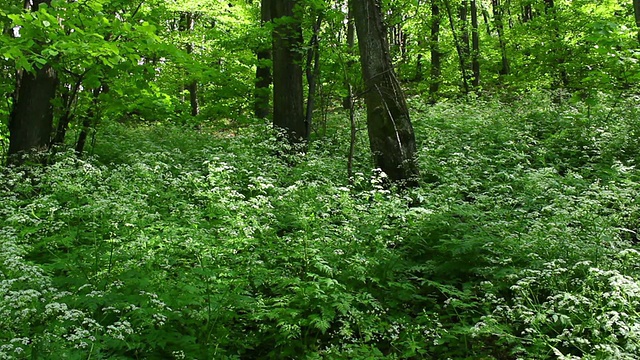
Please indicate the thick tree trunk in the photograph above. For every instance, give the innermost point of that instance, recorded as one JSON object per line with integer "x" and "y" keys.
{"x": 31, "y": 118}
{"x": 475, "y": 40}
{"x": 391, "y": 134}
{"x": 288, "y": 103}
{"x": 263, "y": 69}
{"x": 436, "y": 55}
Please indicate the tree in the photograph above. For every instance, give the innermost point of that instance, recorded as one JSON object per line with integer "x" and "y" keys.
{"x": 475, "y": 40}
{"x": 499, "y": 24}
{"x": 636, "y": 12}
{"x": 460, "y": 48}
{"x": 263, "y": 69}
{"x": 391, "y": 134}
{"x": 436, "y": 54}
{"x": 31, "y": 118}
{"x": 288, "y": 103}
{"x": 186, "y": 25}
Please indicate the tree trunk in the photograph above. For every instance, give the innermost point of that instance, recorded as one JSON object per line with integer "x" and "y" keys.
{"x": 351, "y": 41}
{"x": 31, "y": 118}
{"x": 550, "y": 11}
{"x": 464, "y": 29}
{"x": 288, "y": 103}
{"x": 475, "y": 39}
{"x": 499, "y": 23}
{"x": 312, "y": 72}
{"x": 89, "y": 119}
{"x": 263, "y": 69}
{"x": 461, "y": 55}
{"x": 187, "y": 24}
{"x": 527, "y": 13}
{"x": 391, "y": 134}
{"x": 436, "y": 55}
{"x": 636, "y": 11}
{"x": 485, "y": 16}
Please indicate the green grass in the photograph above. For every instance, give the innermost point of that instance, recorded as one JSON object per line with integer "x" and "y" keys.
{"x": 173, "y": 243}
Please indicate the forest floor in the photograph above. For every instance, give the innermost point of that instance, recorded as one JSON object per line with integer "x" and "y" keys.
{"x": 168, "y": 242}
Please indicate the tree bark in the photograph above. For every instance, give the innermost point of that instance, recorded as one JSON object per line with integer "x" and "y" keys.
{"x": 263, "y": 69}
{"x": 391, "y": 135}
{"x": 436, "y": 55}
{"x": 31, "y": 118}
{"x": 288, "y": 103}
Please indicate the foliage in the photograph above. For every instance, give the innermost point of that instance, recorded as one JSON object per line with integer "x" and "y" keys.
{"x": 177, "y": 243}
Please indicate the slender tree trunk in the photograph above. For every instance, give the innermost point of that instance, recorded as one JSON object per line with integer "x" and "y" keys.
{"x": 351, "y": 36}
{"x": 464, "y": 29}
{"x": 419, "y": 69}
{"x": 31, "y": 118}
{"x": 499, "y": 23}
{"x": 89, "y": 119}
{"x": 475, "y": 39}
{"x": 263, "y": 69}
{"x": 313, "y": 71}
{"x": 636, "y": 11}
{"x": 391, "y": 135}
{"x": 68, "y": 100}
{"x": 288, "y": 103}
{"x": 187, "y": 24}
{"x": 485, "y": 16}
{"x": 461, "y": 55}
{"x": 527, "y": 13}
{"x": 436, "y": 55}
{"x": 550, "y": 10}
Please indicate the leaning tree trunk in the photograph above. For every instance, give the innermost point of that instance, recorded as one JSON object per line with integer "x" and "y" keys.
{"x": 288, "y": 103}
{"x": 31, "y": 119}
{"x": 391, "y": 134}
{"x": 263, "y": 69}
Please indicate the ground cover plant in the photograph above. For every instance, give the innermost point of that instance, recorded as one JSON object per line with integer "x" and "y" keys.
{"x": 173, "y": 242}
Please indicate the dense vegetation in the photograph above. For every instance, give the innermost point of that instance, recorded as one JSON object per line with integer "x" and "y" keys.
{"x": 164, "y": 199}
{"x": 205, "y": 245}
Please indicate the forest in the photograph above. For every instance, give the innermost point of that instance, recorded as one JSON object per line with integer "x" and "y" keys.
{"x": 319, "y": 179}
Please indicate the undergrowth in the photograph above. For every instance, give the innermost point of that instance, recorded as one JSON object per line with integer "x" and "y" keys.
{"x": 173, "y": 243}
